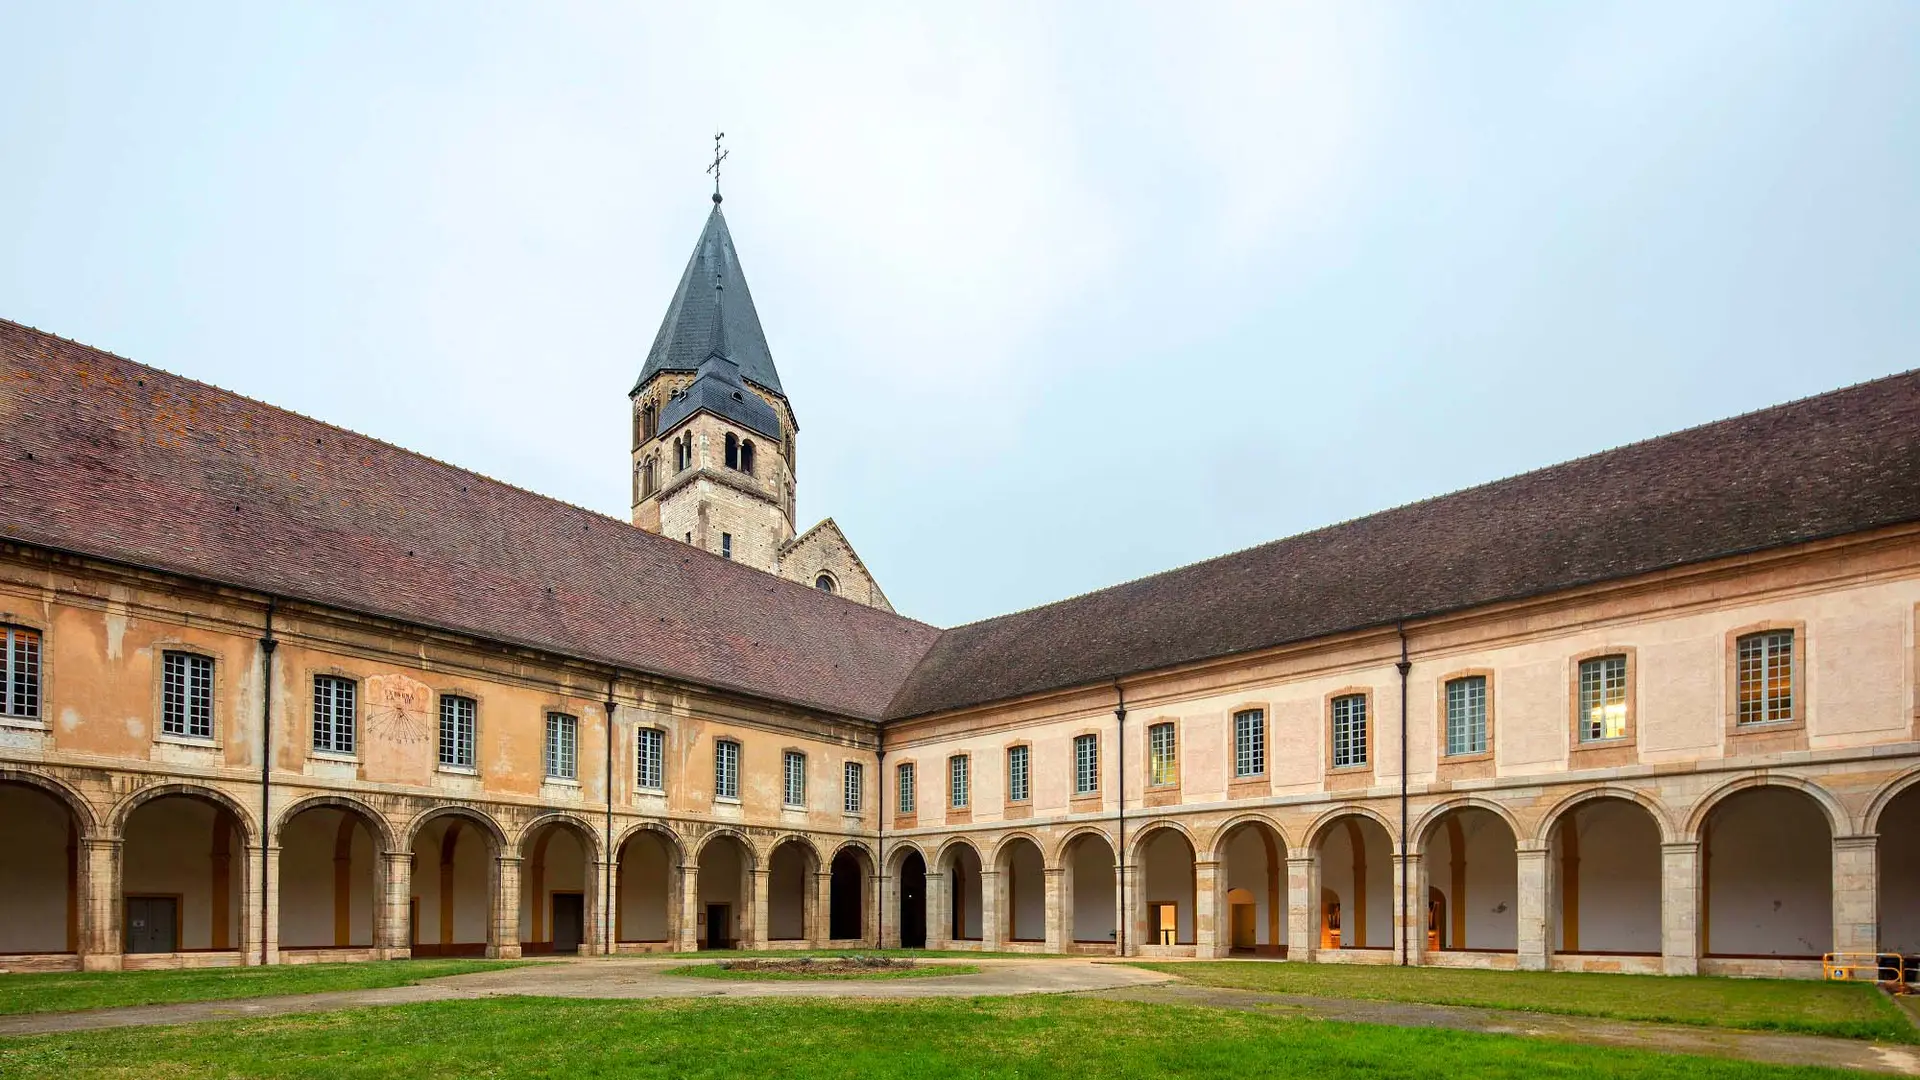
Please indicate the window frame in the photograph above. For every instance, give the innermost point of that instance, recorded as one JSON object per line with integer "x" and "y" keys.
{"x": 853, "y": 788}
{"x": 212, "y": 738}
{"x": 13, "y": 636}
{"x": 1370, "y": 721}
{"x": 1171, "y": 777}
{"x": 789, "y": 778}
{"x": 1077, "y": 763}
{"x": 1472, "y": 764}
{"x": 569, "y": 730}
{"x": 641, "y": 736}
{"x": 1023, "y": 794}
{"x": 906, "y": 789}
{"x": 333, "y": 749}
{"x": 1263, "y": 745}
{"x": 726, "y": 781}
{"x": 960, "y": 782}
{"x": 1769, "y": 736}
{"x": 472, "y": 764}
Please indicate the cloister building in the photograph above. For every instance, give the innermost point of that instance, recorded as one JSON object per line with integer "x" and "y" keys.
{"x": 272, "y": 691}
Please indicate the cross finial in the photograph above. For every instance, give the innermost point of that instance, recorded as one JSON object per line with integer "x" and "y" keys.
{"x": 719, "y": 156}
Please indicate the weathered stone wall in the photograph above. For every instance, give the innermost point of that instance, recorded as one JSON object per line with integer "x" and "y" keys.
{"x": 824, "y": 549}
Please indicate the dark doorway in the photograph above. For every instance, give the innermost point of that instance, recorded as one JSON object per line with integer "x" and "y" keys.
{"x": 153, "y": 924}
{"x": 719, "y": 922}
{"x": 847, "y": 913}
{"x": 569, "y": 921}
{"x": 913, "y": 902}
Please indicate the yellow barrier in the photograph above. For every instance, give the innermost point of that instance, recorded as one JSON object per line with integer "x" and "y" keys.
{"x": 1890, "y": 968}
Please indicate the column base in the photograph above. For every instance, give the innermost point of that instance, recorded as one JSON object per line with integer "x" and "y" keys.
{"x": 103, "y": 962}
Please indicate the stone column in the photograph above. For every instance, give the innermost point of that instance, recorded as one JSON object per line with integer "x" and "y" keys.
{"x": 888, "y": 913}
{"x": 1532, "y": 904}
{"x": 690, "y": 913}
{"x": 1303, "y": 907}
{"x": 1206, "y": 916}
{"x": 939, "y": 917}
{"x": 260, "y": 933}
{"x": 1856, "y": 893}
{"x": 599, "y": 929}
{"x": 394, "y": 936}
{"x": 820, "y": 910}
{"x": 757, "y": 902}
{"x": 1133, "y": 910}
{"x": 102, "y": 940}
{"x": 1059, "y": 893}
{"x": 992, "y": 919}
{"x": 1418, "y": 880}
{"x": 506, "y": 909}
{"x": 1680, "y": 908}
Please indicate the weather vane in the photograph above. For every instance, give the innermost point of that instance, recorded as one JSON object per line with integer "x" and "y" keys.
{"x": 719, "y": 156}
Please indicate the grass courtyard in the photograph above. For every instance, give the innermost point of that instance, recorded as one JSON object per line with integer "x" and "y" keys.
{"x": 989, "y": 1037}
{"x": 67, "y": 991}
{"x": 1846, "y": 1010}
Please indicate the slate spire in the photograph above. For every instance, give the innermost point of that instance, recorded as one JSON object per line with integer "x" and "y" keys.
{"x": 712, "y": 309}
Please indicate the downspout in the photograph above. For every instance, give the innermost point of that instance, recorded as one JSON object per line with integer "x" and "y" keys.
{"x": 607, "y": 913}
{"x": 1120, "y": 713}
{"x": 880, "y": 826}
{"x": 1406, "y": 883}
{"x": 267, "y": 645}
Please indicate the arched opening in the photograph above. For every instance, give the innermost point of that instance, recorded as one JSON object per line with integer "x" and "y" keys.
{"x": 913, "y": 901}
{"x": 1168, "y": 889}
{"x": 557, "y": 893}
{"x": 789, "y": 873}
{"x": 647, "y": 417}
{"x": 1089, "y": 900}
{"x": 647, "y": 481}
{"x": 1899, "y": 859}
{"x": 733, "y": 451}
{"x": 746, "y": 457}
{"x": 1253, "y": 883}
{"x": 1767, "y": 882}
{"x": 41, "y": 863}
{"x": 1472, "y": 861}
{"x": 724, "y": 920}
{"x": 646, "y": 884}
{"x": 1605, "y": 866}
{"x": 847, "y": 896}
{"x": 329, "y": 880}
{"x": 1023, "y": 890}
{"x": 1355, "y": 906}
{"x": 183, "y": 871}
{"x": 824, "y": 582}
{"x": 963, "y": 893}
{"x": 454, "y": 865}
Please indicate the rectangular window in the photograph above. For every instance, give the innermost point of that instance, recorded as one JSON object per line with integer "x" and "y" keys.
{"x": 562, "y": 736}
{"x": 726, "y": 545}
{"x": 186, "y": 695}
{"x": 332, "y": 714}
{"x": 456, "y": 731}
{"x": 19, "y": 673}
{"x": 1603, "y": 698}
{"x": 795, "y": 791}
{"x": 1019, "y": 773}
{"x": 1349, "y": 731}
{"x": 1086, "y": 764}
{"x": 726, "y": 769}
{"x": 1764, "y": 664}
{"x": 650, "y": 750}
{"x": 1163, "y": 764}
{"x": 1467, "y": 715}
{"x": 1249, "y": 743}
{"x": 856, "y": 785}
{"x": 905, "y": 774}
{"x": 960, "y": 795}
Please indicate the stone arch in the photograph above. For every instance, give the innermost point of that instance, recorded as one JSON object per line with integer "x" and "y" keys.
{"x": 76, "y": 804}
{"x": 1839, "y": 822}
{"x": 738, "y": 837}
{"x": 803, "y": 841}
{"x": 897, "y": 855}
{"x": 1423, "y": 827}
{"x": 1217, "y": 848}
{"x": 1870, "y": 821}
{"x": 117, "y": 821}
{"x": 587, "y": 833}
{"x": 1893, "y": 817}
{"x": 1352, "y": 890}
{"x": 646, "y": 900}
{"x": 1250, "y": 902}
{"x": 850, "y": 871}
{"x": 1089, "y": 893}
{"x": 1006, "y": 843}
{"x": 473, "y": 815}
{"x": 1021, "y": 861}
{"x": 1144, "y": 835}
{"x": 961, "y": 867}
{"x": 1316, "y": 833}
{"x": 948, "y": 846}
{"x": 1645, "y": 800}
{"x": 382, "y": 828}
{"x": 1056, "y": 858}
{"x": 656, "y": 828}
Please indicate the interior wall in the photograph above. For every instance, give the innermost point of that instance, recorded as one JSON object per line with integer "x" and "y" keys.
{"x": 472, "y": 882}
{"x": 33, "y": 864}
{"x": 787, "y": 883}
{"x": 963, "y": 888}
{"x": 564, "y": 869}
{"x": 1617, "y": 846}
{"x": 1090, "y": 862}
{"x": 1900, "y": 874}
{"x": 308, "y": 846}
{"x": 723, "y": 867}
{"x": 1769, "y": 876}
{"x": 1167, "y": 862}
{"x": 1337, "y": 876}
{"x": 1025, "y": 878}
{"x": 646, "y": 888}
{"x": 1247, "y": 868}
{"x": 169, "y": 850}
{"x": 1492, "y": 896}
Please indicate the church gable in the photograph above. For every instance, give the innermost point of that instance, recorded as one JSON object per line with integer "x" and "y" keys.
{"x": 823, "y": 558}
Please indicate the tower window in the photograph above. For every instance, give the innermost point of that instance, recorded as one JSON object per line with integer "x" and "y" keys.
{"x": 646, "y": 478}
{"x": 726, "y": 545}
{"x": 746, "y": 457}
{"x": 733, "y": 451}
{"x": 647, "y": 417}
{"x": 824, "y": 583}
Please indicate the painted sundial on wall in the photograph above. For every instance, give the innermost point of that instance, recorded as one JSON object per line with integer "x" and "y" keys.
{"x": 399, "y": 710}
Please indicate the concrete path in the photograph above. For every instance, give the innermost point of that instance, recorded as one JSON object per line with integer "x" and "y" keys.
{"x": 616, "y": 978}
{"x": 1755, "y": 1046}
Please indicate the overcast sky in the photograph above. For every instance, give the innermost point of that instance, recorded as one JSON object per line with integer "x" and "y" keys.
{"x": 1063, "y": 294}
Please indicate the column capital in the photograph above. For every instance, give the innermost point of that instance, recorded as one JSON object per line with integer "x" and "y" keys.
{"x": 1856, "y": 842}
{"x": 762, "y": 871}
{"x": 1206, "y": 864}
{"x": 1681, "y": 847}
{"x": 104, "y": 843}
{"x": 1532, "y": 851}
{"x": 1055, "y": 871}
{"x": 509, "y": 860}
{"x": 1302, "y": 862}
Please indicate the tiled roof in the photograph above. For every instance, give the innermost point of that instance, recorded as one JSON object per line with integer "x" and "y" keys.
{"x": 105, "y": 457}
{"x": 687, "y": 333}
{"x": 1838, "y": 463}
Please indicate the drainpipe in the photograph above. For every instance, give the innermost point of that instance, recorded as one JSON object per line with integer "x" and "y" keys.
{"x": 267, "y": 645}
{"x": 1120, "y": 925}
{"x": 613, "y": 857}
{"x": 880, "y": 825}
{"x": 1404, "y": 666}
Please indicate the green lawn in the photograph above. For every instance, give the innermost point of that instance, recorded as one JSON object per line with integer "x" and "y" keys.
{"x": 994, "y": 1038}
{"x": 67, "y": 991}
{"x": 1848, "y": 1010}
{"x": 720, "y": 971}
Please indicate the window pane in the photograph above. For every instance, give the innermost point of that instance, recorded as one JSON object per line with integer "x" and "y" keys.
{"x": 561, "y": 732}
{"x": 1349, "y": 731}
{"x": 856, "y": 785}
{"x": 333, "y": 714}
{"x": 795, "y": 792}
{"x": 1086, "y": 764}
{"x": 456, "y": 731}
{"x": 1603, "y": 698}
{"x": 1467, "y": 715}
{"x": 19, "y": 673}
{"x": 1019, "y": 773}
{"x": 1764, "y": 664}
{"x": 1249, "y": 743}
{"x": 906, "y": 789}
{"x": 726, "y": 769}
{"x": 1162, "y": 766}
{"x": 651, "y": 747}
{"x": 957, "y": 770}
